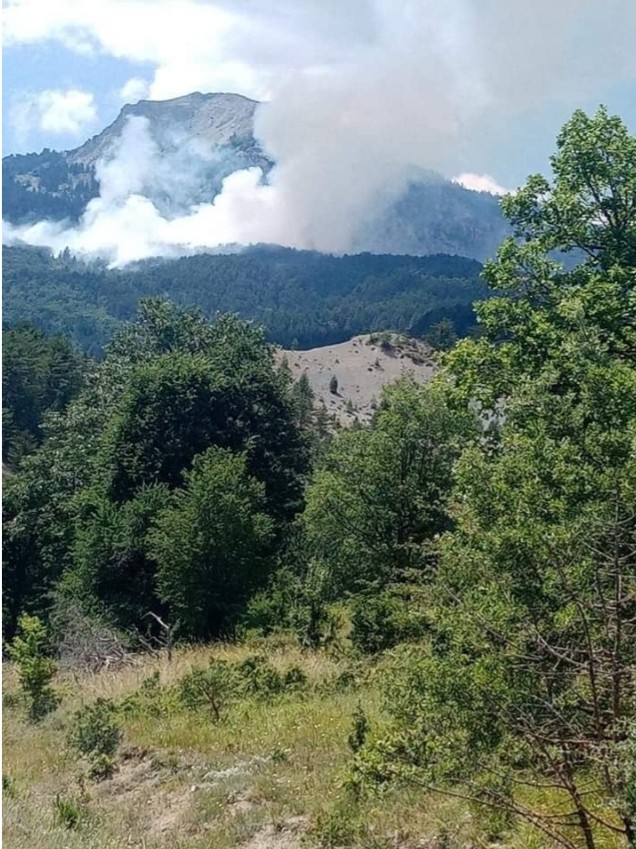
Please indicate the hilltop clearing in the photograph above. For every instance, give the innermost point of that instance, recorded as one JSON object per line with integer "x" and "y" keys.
{"x": 362, "y": 367}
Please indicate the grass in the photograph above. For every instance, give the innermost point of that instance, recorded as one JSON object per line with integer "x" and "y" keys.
{"x": 268, "y": 776}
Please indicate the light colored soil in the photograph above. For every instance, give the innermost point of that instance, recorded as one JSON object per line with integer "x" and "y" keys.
{"x": 286, "y": 835}
{"x": 362, "y": 366}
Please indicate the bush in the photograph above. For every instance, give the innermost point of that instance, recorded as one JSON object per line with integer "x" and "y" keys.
{"x": 68, "y": 812}
{"x": 9, "y": 788}
{"x": 359, "y": 729}
{"x": 222, "y": 682}
{"x": 381, "y": 622}
{"x": 149, "y": 699}
{"x": 258, "y": 677}
{"x": 96, "y": 734}
{"x": 294, "y": 678}
{"x": 35, "y": 669}
{"x": 336, "y": 829}
{"x": 212, "y": 688}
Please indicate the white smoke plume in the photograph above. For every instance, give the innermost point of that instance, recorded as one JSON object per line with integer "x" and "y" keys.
{"x": 426, "y": 85}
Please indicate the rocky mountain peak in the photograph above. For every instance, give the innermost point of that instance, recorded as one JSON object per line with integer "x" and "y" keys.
{"x": 216, "y": 120}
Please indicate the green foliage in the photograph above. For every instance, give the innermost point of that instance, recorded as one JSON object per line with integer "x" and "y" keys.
{"x": 359, "y": 729}
{"x": 68, "y": 812}
{"x": 39, "y": 374}
{"x": 528, "y": 663}
{"x": 96, "y": 734}
{"x": 216, "y": 687}
{"x": 442, "y": 336}
{"x": 112, "y": 571}
{"x": 303, "y": 298}
{"x": 624, "y": 772}
{"x": 9, "y": 788}
{"x": 302, "y": 396}
{"x": 150, "y": 698}
{"x": 379, "y": 622}
{"x": 337, "y": 828}
{"x": 333, "y": 385}
{"x": 211, "y": 545}
{"x": 172, "y": 386}
{"x": 35, "y": 669}
{"x": 212, "y": 688}
{"x": 259, "y": 677}
{"x": 586, "y": 212}
{"x": 294, "y": 678}
{"x": 381, "y": 496}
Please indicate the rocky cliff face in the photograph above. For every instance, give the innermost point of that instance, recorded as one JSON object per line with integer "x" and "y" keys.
{"x": 212, "y": 120}
{"x": 207, "y": 137}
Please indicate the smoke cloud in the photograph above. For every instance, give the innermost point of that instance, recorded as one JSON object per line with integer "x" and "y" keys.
{"x": 424, "y": 86}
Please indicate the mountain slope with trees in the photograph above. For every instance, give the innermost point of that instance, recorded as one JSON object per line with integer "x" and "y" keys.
{"x": 302, "y": 298}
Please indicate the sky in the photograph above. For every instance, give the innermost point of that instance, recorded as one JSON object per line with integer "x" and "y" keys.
{"x": 69, "y": 65}
{"x": 358, "y": 95}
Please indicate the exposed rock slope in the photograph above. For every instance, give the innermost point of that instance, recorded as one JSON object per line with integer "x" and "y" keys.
{"x": 362, "y": 366}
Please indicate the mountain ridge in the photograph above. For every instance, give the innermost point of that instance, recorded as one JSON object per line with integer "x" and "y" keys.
{"x": 209, "y": 136}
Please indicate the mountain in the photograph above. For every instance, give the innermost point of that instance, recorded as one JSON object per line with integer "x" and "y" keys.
{"x": 216, "y": 120}
{"x": 207, "y": 137}
{"x": 214, "y": 132}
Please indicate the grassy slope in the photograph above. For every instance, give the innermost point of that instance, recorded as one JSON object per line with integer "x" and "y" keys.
{"x": 269, "y": 776}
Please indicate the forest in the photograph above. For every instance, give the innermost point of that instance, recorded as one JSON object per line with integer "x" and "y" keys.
{"x": 464, "y": 567}
{"x": 302, "y": 298}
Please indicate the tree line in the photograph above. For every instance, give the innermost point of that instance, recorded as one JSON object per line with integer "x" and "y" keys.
{"x": 301, "y": 298}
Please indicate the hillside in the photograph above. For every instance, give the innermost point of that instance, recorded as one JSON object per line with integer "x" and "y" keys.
{"x": 362, "y": 366}
{"x": 202, "y": 138}
{"x": 303, "y": 299}
{"x": 267, "y": 777}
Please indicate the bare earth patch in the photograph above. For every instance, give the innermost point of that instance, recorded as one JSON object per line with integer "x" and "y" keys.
{"x": 362, "y": 366}
{"x": 286, "y": 835}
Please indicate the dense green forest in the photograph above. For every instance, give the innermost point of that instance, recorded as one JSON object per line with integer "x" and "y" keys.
{"x": 40, "y": 373}
{"x": 478, "y": 537}
{"x": 301, "y": 298}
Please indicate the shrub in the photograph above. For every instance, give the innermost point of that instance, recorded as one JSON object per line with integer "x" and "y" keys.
{"x": 336, "y": 829}
{"x": 222, "y": 682}
{"x": 68, "y": 812}
{"x": 96, "y": 734}
{"x": 294, "y": 678}
{"x": 378, "y": 623}
{"x": 333, "y": 385}
{"x": 35, "y": 669}
{"x": 258, "y": 677}
{"x": 359, "y": 729}
{"x": 9, "y": 788}
{"x": 212, "y": 688}
{"x": 386, "y": 343}
{"x": 148, "y": 699}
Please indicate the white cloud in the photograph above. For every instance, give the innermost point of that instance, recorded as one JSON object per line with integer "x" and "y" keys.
{"x": 60, "y": 112}
{"x": 480, "y": 183}
{"x": 134, "y": 89}
{"x": 236, "y": 45}
{"x": 524, "y": 48}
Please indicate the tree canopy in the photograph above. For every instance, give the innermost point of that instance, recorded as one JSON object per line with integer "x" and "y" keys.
{"x": 530, "y": 671}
